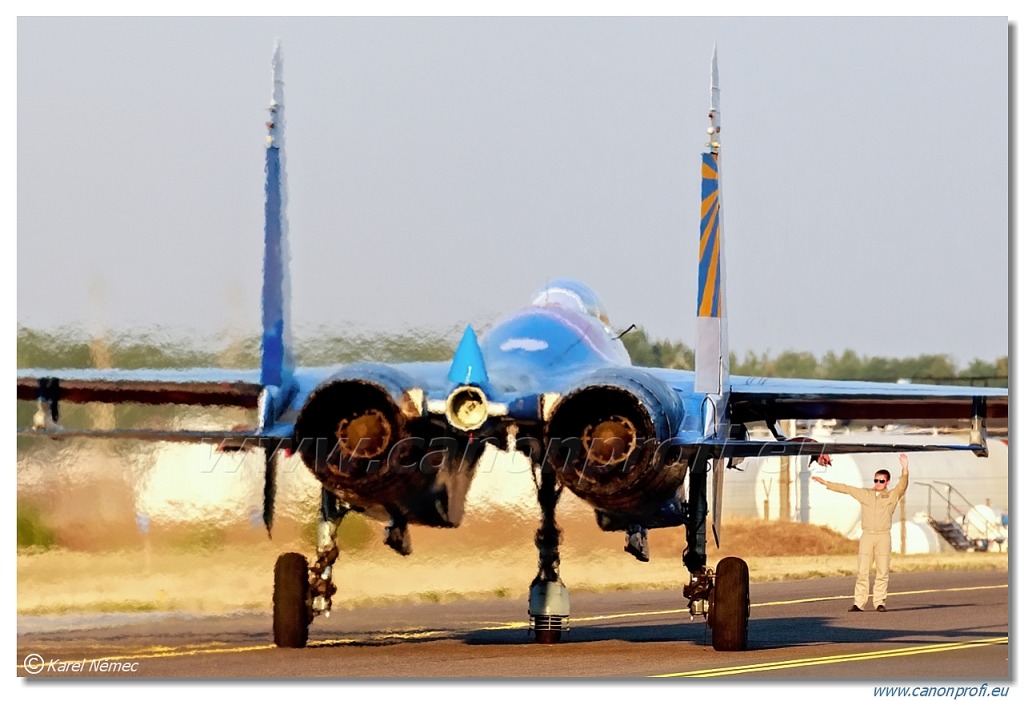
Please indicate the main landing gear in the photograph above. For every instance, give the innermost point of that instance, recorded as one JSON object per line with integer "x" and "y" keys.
{"x": 301, "y": 591}
{"x": 723, "y": 596}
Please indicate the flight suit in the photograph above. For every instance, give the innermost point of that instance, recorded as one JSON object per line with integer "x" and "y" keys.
{"x": 877, "y": 508}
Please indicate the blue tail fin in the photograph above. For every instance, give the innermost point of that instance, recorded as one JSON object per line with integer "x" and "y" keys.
{"x": 277, "y": 364}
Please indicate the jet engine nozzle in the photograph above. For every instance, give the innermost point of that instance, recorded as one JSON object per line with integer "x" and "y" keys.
{"x": 364, "y": 436}
{"x": 610, "y": 442}
{"x": 346, "y": 426}
{"x": 608, "y": 439}
{"x": 466, "y": 408}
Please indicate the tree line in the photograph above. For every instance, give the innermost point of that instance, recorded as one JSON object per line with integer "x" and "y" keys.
{"x": 847, "y": 365}
{"x": 934, "y": 367}
{"x": 69, "y": 348}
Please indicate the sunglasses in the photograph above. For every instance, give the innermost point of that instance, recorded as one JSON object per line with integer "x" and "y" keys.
{"x": 881, "y": 481}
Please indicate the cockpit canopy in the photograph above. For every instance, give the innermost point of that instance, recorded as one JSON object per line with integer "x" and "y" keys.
{"x": 572, "y": 295}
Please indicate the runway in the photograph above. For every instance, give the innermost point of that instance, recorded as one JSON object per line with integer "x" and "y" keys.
{"x": 941, "y": 625}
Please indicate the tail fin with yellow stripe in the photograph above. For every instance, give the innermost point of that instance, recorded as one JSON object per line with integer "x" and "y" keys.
{"x": 712, "y": 347}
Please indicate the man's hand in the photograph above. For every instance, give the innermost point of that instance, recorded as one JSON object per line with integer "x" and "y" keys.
{"x": 904, "y": 462}
{"x": 824, "y": 460}
{"x": 817, "y": 479}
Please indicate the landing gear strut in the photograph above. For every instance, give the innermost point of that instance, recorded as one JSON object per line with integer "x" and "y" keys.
{"x": 549, "y": 598}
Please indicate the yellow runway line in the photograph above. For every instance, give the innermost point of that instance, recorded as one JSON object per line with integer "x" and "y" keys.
{"x": 834, "y": 659}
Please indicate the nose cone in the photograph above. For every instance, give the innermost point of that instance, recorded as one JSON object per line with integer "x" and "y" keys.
{"x": 468, "y": 363}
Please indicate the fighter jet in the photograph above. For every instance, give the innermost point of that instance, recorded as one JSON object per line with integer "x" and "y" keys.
{"x": 644, "y": 447}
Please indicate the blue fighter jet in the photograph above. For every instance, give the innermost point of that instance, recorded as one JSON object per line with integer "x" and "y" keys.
{"x": 645, "y": 447}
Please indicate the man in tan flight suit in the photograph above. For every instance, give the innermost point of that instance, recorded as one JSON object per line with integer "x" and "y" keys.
{"x": 877, "y": 507}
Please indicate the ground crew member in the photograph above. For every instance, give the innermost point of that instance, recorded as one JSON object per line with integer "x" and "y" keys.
{"x": 877, "y": 507}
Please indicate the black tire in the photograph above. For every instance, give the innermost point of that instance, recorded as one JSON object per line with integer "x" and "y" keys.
{"x": 731, "y": 608}
{"x": 291, "y": 601}
{"x": 548, "y": 637}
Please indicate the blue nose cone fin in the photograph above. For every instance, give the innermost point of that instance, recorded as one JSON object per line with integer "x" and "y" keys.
{"x": 468, "y": 363}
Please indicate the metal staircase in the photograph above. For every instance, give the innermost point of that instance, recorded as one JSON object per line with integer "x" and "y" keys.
{"x": 952, "y": 533}
{"x": 952, "y": 525}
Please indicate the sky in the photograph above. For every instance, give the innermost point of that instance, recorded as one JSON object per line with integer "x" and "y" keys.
{"x": 442, "y": 169}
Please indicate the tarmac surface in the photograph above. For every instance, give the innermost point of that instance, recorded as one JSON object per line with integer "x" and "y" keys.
{"x": 940, "y": 625}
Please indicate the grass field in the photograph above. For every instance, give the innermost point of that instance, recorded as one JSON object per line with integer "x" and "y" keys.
{"x": 494, "y": 558}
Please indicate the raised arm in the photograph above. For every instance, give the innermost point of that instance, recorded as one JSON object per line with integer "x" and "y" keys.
{"x": 901, "y": 486}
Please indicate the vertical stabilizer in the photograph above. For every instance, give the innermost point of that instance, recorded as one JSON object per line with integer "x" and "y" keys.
{"x": 712, "y": 347}
{"x": 277, "y": 363}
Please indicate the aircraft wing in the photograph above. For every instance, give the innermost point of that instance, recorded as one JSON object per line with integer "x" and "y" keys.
{"x": 198, "y": 386}
{"x": 774, "y": 399}
{"x": 771, "y": 400}
{"x": 811, "y": 448}
{"x": 209, "y": 387}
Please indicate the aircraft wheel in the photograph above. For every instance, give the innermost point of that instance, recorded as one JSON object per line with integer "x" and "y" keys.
{"x": 731, "y": 605}
{"x": 548, "y": 637}
{"x": 291, "y": 601}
